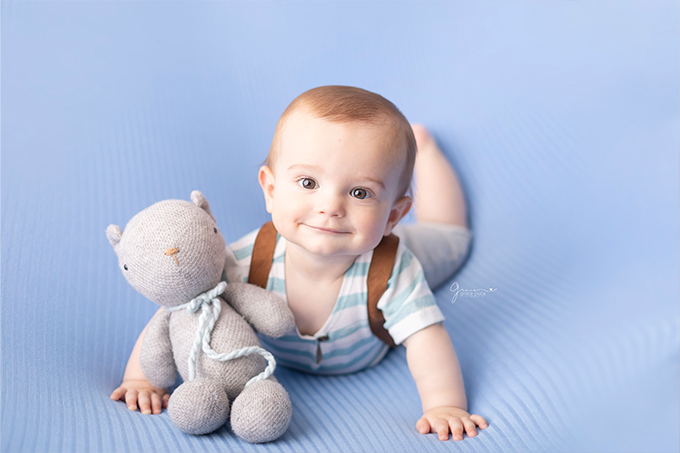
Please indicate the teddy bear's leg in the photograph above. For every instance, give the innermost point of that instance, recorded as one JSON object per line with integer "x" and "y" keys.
{"x": 262, "y": 412}
{"x": 199, "y": 406}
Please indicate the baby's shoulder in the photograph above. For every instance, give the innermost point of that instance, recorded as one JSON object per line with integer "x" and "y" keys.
{"x": 404, "y": 261}
{"x": 407, "y": 272}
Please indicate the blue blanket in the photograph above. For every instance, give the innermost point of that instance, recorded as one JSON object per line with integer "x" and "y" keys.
{"x": 562, "y": 119}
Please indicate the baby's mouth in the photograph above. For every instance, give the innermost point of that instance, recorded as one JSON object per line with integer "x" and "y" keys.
{"x": 325, "y": 230}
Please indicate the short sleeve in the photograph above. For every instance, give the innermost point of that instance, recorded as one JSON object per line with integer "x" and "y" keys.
{"x": 408, "y": 303}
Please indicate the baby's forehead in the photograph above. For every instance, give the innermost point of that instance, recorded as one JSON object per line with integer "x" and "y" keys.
{"x": 384, "y": 131}
{"x": 303, "y": 132}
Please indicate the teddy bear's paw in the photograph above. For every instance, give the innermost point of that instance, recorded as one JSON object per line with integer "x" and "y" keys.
{"x": 262, "y": 412}
{"x": 199, "y": 406}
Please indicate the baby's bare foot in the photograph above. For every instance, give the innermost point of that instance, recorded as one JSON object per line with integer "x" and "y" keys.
{"x": 424, "y": 141}
{"x": 438, "y": 194}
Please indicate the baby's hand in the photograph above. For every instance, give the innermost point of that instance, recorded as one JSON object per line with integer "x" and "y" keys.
{"x": 149, "y": 397}
{"x": 443, "y": 419}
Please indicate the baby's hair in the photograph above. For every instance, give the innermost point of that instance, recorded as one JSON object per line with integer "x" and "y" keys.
{"x": 344, "y": 104}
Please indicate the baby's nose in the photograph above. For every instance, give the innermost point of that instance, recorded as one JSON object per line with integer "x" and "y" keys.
{"x": 332, "y": 206}
{"x": 172, "y": 251}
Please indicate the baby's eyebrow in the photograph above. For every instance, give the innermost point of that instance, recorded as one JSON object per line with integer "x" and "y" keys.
{"x": 377, "y": 181}
{"x": 305, "y": 167}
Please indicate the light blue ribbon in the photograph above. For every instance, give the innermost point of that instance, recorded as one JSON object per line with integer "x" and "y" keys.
{"x": 211, "y": 307}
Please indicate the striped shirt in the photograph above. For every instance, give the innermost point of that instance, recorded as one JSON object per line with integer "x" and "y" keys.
{"x": 345, "y": 343}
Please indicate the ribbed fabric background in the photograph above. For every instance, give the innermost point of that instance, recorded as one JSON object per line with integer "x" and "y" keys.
{"x": 561, "y": 118}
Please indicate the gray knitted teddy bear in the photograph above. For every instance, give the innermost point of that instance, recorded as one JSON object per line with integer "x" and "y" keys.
{"x": 173, "y": 253}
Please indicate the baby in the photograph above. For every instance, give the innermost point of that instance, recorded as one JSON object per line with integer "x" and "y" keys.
{"x": 336, "y": 181}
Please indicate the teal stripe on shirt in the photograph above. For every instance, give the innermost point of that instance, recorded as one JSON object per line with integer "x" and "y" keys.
{"x": 349, "y": 300}
{"x": 243, "y": 252}
{"x": 348, "y": 330}
{"x": 404, "y": 264}
{"x": 348, "y": 350}
{"x": 357, "y": 270}
{"x": 277, "y": 285}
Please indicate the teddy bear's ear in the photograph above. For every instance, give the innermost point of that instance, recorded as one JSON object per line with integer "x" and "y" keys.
{"x": 114, "y": 233}
{"x": 199, "y": 200}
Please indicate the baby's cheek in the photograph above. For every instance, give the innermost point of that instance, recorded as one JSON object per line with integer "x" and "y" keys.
{"x": 373, "y": 228}
{"x": 284, "y": 221}
{"x": 285, "y": 202}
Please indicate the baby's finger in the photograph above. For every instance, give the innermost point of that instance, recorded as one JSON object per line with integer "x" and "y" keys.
{"x": 470, "y": 427}
{"x": 131, "y": 399}
{"x": 423, "y": 426}
{"x": 441, "y": 428}
{"x": 144, "y": 401}
{"x": 118, "y": 393}
{"x": 166, "y": 398}
{"x": 479, "y": 420}
{"x": 155, "y": 403}
{"x": 456, "y": 428}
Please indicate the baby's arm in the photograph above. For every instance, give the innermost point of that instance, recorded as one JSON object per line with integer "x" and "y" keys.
{"x": 136, "y": 388}
{"x": 434, "y": 366}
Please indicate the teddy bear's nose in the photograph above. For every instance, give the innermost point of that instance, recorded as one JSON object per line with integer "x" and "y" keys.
{"x": 173, "y": 251}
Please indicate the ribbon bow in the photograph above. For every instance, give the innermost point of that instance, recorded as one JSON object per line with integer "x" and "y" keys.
{"x": 210, "y": 306}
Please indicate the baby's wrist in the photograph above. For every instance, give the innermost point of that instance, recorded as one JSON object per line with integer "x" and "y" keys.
{"x": 138, "y": 383}
{"x": 451, "y": 404}
{"x": 135, "y": 379}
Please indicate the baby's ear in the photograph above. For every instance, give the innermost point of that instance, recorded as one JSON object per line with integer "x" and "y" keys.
{"x": 266, "y": 178}
{"x": 399, "y": 209}
{"x": 199, "y": 200}
{"x": 114, "y": 233}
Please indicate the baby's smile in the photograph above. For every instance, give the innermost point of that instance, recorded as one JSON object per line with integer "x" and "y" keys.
{"x": 325, "y": 230}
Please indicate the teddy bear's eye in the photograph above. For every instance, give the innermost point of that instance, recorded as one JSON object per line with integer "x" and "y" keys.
{"x": 125, "y": 266}
{"x": 215, "y": 230}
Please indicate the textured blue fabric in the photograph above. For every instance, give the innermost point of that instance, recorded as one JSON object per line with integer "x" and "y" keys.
{"x": 561, "y": 118}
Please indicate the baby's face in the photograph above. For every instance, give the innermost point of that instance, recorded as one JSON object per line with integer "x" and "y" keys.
{"x": 332, "y": 188}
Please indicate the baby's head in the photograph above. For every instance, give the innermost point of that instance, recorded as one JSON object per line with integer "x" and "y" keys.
{"x": 339, "y": 170}
{"x": 351, "y": 105}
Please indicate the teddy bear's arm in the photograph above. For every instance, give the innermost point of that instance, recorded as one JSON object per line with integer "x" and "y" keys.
{"x": 267, "y": 312}
{"x": 156, "y": 359}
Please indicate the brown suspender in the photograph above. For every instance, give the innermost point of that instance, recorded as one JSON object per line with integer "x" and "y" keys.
{"x": 378, "y": 273}
{"x": 263, "y": 254}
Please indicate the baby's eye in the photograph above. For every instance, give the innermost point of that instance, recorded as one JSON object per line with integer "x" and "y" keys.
{"x": 307, "y": 183}
{"x": 360, "y": 193}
